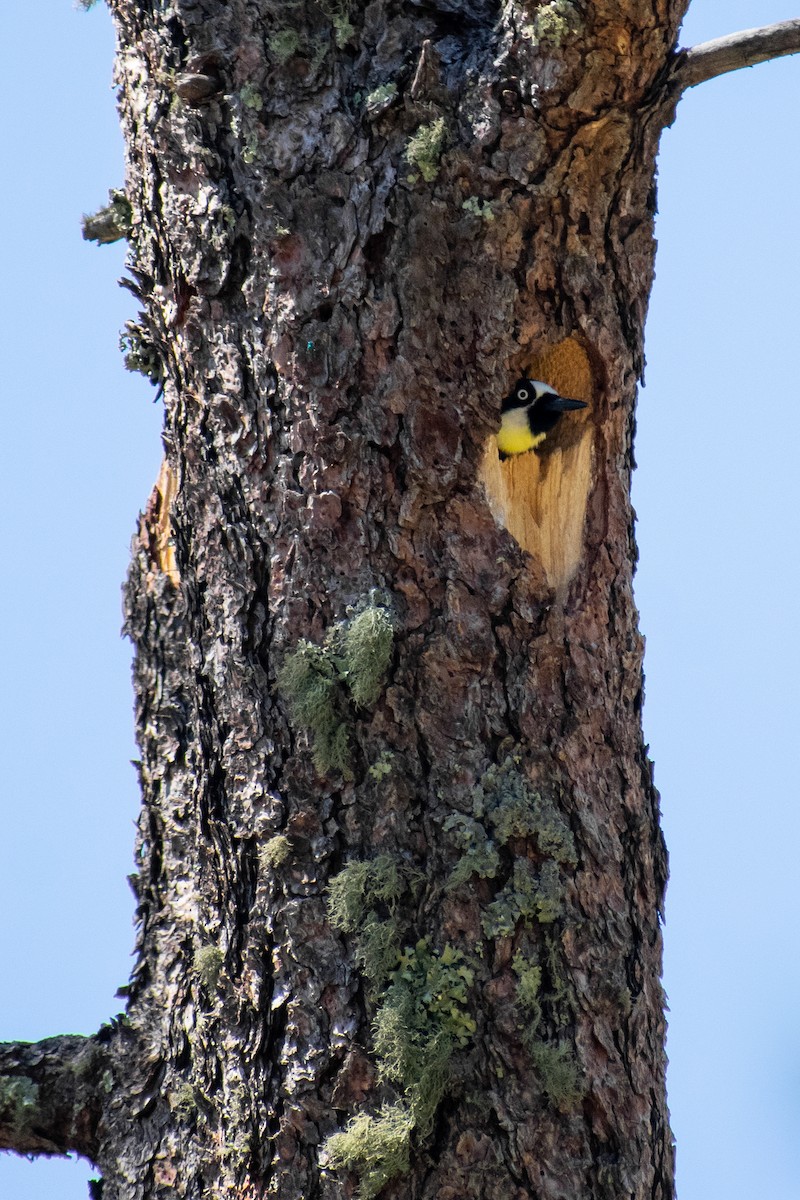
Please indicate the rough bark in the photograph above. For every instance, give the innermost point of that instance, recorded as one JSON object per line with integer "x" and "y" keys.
{"x": 351, "y": 228}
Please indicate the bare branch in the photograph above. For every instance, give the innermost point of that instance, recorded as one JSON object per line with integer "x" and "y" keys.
{"x": 49, "y": 1094}
{"x": 743, "y": 49}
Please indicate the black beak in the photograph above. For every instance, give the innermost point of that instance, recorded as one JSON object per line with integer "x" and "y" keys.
{"x": 556, "y": 404}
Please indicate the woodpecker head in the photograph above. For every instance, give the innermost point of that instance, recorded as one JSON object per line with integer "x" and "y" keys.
{"x": 528, "y": 413}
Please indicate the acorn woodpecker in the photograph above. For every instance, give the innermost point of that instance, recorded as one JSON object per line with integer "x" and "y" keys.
{"x": 529, "y": 412}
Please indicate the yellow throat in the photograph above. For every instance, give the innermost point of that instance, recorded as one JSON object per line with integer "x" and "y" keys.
{"x": 514, "y": 436}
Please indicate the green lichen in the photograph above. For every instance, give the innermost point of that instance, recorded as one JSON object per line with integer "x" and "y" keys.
{"x": 111, "y": 223}
{"x": 250, "y": 149}
{"x": 343, "y": 29}
{"x": 284, "y": 44}
{"x": 558, "y": 996}
{"x": 529, "y": 989}
{"x": 320, "y": 681}
{"x": 384, "y": 91}
{"x": 366, "y": 652}
{"x": 478, "y": 208}
{"x": 140, "y": 353}
{"x": 421, "y": 1019}
{"x": 424, "y": 149}
{"x": 208, "y": 962}
{"x": 383, "y": 766}
{"x": 251, "y": 97}
{"x": 309, "y": 682}
{"x": 360, "y": 888}
{"x": 276, "y": 851}
{"x": 516, "y": 810}
{"x": 363, "y": 902}
{"x": 555, "y": 1064}
{"x": 380, "y": 97}
{"x": 244, "y": 130}
{"x": 378, "y": 948}
{"x": 512, "y": 819}
{"x": 236, "y": 1122}
{"x": 480, "y": 855}
{"x": 429, "y": 988}
{"x": 555, "y": 21}
{"x": 377, "y": 1147}
{"x": 428, "y": 1066}
{"x": 506, "y": 803}
{"x": 531, "y": 895}
{"x": 558, "y": 1074}
{"x": 19, "y": 1101}
{"x": 184, "y": 1100}
{"x": 338, "y": 13}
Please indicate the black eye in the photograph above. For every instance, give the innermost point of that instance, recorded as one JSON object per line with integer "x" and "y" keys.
{"x": 522, "y": 393}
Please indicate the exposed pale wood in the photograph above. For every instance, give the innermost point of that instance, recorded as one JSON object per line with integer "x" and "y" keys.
{"x": 158, "y": 524}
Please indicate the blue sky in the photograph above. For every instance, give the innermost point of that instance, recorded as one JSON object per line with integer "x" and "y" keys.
{"x": 716, "y": 493}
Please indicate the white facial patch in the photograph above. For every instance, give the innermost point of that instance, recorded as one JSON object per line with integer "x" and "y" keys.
{"x": 515, "y": 423}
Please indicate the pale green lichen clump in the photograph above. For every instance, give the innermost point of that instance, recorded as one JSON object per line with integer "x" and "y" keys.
{"x": 555, "y": 21}
{"x": 511, "y": 816}
{"x": 360, "y": 887}
{"x": 382, "y": 767}
{"x": 366, "y": 653}
{"x": 111, "y": 223}
{"x": 251, "y": 97}
{"x": 309, "y": 683}
{"x": 381, "y": 98}
{"x": 319, "y": 682}
{"x": 558, "y": 1073}
{"x": 276, "y": 851}
{"x": 478, "y": 208}
{"x": 208, "y": 962}
{"x": 377, "y": 1147}
{"x": 506, "y": 807}
{"x": 555, "y": 1065}
{"x": 424, "y": 149}
{"x": 19, "y": 1101}
{"x": 362, "y": 901}
{"x": 284, "y": 44}
{"x": 343, "y": 29}
{"x": 421, "y": 1019}
{"x": 140, "y": 353}
{"x": 420, "y": 1022}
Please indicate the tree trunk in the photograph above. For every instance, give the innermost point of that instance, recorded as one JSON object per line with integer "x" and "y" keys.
{"x": 399, "y": 862}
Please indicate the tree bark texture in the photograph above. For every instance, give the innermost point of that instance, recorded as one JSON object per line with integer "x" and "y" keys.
{"x": 423, "y": 911}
